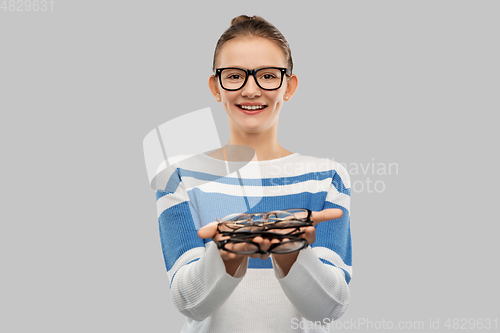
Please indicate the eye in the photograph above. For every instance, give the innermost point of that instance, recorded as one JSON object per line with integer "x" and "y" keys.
{"x": 234, "y": 77}
{"x": 268, "y": 76}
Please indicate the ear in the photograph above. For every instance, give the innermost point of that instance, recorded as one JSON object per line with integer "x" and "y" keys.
{"x": 214, "y": 88}
{"x": 292, "y": 84}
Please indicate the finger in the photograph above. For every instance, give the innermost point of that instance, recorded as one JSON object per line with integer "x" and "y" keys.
{"x": 264, "y": 245}
{"x": 208, "y": 231}
{"x": 258, "y": 239}
{"x": 310, "y": 235}
{"x": 326, "y": 215}
{"x": 227, "y": 255}
{"x": 219, "y": 237}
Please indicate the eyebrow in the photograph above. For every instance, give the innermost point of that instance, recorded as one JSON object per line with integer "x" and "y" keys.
{"x": 254, "y": 67}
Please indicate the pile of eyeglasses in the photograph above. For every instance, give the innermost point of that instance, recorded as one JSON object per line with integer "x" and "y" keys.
{"x": 283, "y": 225}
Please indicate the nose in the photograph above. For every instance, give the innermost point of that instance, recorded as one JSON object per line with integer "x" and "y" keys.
{"x": 251, "y": 89}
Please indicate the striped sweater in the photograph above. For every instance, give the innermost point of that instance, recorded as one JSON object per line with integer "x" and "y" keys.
{"x": 258, "y": 298}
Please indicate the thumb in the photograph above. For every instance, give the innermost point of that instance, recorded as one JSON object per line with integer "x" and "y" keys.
{"x": 208, "y": 231}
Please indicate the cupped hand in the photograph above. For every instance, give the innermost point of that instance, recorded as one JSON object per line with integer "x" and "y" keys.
{"x": 210, "y": 231}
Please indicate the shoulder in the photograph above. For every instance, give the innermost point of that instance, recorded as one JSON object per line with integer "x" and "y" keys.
{"x": 167, "y": 176}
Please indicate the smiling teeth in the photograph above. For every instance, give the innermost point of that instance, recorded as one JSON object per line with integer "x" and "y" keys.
{"x": 255, "y": 107}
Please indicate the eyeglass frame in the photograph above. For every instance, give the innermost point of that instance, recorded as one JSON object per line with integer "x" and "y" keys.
{"x": 222, "y": 244}
{"x": 264, "y": 230}
{"x": 267, "y": 214}
{"x": 264, "y": 234}
{"x": 253, "y": 73}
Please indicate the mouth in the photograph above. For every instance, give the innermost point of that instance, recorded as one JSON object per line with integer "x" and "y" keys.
{"x": 251, "y": 109}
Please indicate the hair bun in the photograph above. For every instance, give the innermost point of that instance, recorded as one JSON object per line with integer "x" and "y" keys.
{"x": 250, "y": 26}
{"x": 243, "y": 18}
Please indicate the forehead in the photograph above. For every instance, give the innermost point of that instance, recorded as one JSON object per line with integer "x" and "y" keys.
{"x": 251, "y": 52}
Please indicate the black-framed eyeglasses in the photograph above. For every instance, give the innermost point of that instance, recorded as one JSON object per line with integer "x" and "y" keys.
{"x": 283, "y": 225}
{"x": 267, "y": 78}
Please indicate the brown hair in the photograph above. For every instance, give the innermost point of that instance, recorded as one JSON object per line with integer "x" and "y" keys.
{"x": 244, "y": 25}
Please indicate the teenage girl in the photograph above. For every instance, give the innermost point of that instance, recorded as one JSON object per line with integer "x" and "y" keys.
{"x": 220, "y": 291}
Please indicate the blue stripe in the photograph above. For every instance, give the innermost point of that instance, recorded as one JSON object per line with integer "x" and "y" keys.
{"x": 296, "y": 179}
{"x": 174, "y": 181}
{"x": 227, "y": 204}
{"x": 259, "y": 263}
{"x": 172, "y": 185}
{"x": 339, "y": 184}
{"x": 178, "y": 233}
{"x": 347, "y": 275}
{"x": 256, "y": 182}
{"x": 160, "y": 194}
{"x": 336, "y": 235}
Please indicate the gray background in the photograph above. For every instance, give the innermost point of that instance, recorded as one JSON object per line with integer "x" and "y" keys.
{"x": 409, "y": 82}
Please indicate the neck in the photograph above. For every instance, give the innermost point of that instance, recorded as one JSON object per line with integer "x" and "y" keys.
{"x": 266, "y": 145}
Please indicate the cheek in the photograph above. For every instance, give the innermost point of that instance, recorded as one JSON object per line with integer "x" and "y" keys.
{"x": 276, "y": 98}
{"x": 228, "y": 97}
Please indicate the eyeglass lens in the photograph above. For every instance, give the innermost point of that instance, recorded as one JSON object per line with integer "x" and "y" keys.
{"x": 245, "y": 246}
{"x": 280, "y": 215}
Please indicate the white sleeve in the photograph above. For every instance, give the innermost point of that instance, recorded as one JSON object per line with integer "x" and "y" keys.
{"x": 317, "y": 290}
{"x": 199, "y": 283}
{"x": 201, "y": 287}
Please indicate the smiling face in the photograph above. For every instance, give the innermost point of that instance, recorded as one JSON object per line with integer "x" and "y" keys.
{"x": 250, "y": 53}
